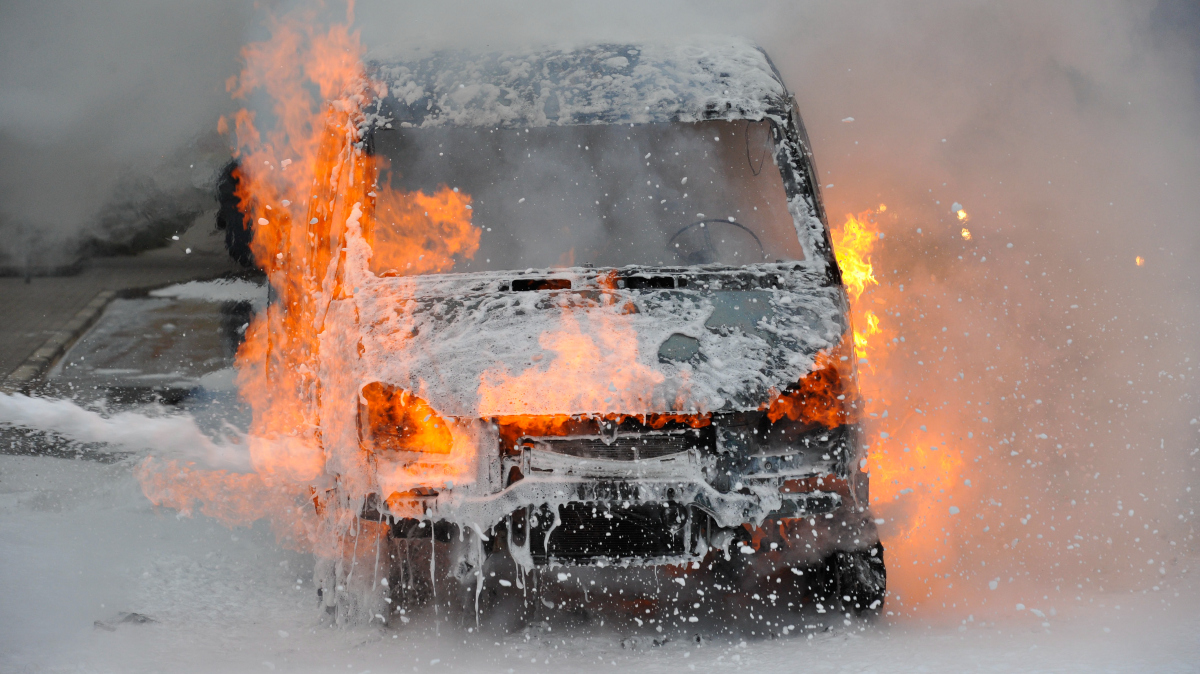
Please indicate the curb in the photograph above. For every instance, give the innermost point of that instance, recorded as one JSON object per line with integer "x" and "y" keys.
{"x": 18, "y": 380}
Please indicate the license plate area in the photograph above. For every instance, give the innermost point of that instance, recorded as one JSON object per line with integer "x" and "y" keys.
{"x": 586, "y": 533}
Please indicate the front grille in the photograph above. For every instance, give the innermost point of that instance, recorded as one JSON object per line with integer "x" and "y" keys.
{"x": 587, "y": 531}
{"x": 621, "y": 448}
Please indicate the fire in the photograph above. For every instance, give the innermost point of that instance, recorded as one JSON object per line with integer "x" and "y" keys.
{"x": 395, "y": 420}
{"x": 323, "y": 226}
{"x": 852, "y": 245}
{"x": 417, "y": 233}
{"x": 1139, "y": 260}
{"x": 966, "y": 234}
{"x": 962, "y": 215}
{"x": 592, "y": 368}
{"x": 907, "y": 468}
{"x": 818, "y": 396}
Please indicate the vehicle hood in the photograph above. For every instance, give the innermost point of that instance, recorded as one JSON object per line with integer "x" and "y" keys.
{"x": 627, "y": 341}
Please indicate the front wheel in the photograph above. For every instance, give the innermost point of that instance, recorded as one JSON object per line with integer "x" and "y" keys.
{"x": 859, "y": 578}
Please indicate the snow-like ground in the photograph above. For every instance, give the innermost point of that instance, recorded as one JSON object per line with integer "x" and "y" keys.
{"x": 80, "y": 544}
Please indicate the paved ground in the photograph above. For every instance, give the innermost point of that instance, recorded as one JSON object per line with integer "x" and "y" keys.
{"x": 83, "y": 549}
{"x": 34, "y": 312}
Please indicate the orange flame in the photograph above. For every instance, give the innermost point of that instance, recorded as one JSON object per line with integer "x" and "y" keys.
{"x": 852, "y": 245}
{"x": 904, "y": 463}
{"x": 820, "y": 396}
{"x": 310, "y": 190}
{"x": 391, "y": 419}
{"x": 591, "y": 370}
{"x": 416, "y": 233}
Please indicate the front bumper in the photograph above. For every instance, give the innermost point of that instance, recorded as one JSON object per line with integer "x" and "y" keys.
{"x": 576, "y": 505}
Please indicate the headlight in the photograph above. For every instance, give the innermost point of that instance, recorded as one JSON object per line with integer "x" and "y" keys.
{"x": 824, "y": 396}
{"x": 392, "y": 419}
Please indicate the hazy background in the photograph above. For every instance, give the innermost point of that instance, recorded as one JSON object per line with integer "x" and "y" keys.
{"x": 110, "y": 106}
{"x": 1068, "y": 130}
{"x": 108, "y": 121}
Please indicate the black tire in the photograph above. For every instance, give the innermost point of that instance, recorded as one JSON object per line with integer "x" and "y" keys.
{"x": 859, "y": 579}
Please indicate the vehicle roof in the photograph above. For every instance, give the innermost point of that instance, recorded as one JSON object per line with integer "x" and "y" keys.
{"x": 598, "y": 84}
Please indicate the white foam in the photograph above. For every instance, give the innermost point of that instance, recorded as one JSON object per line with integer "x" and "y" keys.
{"x": 171, "y": 436}
{"x": 222, "y": 290}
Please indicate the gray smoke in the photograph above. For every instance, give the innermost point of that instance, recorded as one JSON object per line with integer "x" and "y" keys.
{"x": 108, "y": 121}
{"x": 1068, "y": 132}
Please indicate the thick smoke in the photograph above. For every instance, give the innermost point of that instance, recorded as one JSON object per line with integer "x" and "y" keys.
{"x": 108, "y": 122}
{"x": 1068, "y": 135}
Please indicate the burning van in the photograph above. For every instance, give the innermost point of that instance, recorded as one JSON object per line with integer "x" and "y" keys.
{"x": 573, "y": 310}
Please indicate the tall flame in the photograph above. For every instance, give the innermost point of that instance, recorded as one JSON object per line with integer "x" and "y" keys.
{"x": 313, "y": 197}
{"x": 903, "y": 461}
{"x": 852, "y": 244}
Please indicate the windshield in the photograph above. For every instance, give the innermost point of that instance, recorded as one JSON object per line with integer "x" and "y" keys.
{"x": 605, "y": 195}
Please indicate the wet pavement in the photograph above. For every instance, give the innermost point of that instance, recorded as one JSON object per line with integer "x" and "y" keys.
{"x": 162, "y": 345}
{"x": 124, "y": 331}
{"x": 38, "y": 311}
